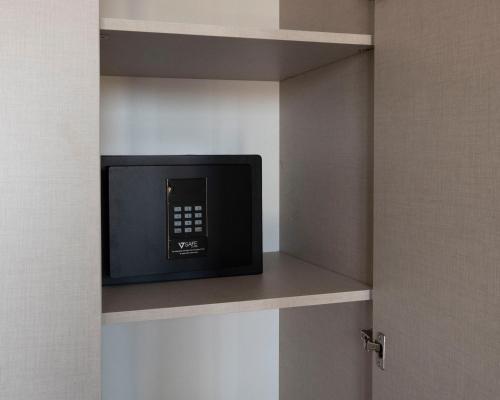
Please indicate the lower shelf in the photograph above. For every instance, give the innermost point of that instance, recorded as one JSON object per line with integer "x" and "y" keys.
{"x": 286, "y": 282}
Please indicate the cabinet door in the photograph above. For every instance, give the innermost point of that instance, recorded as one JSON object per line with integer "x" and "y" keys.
{"x": 49, "y": 200}
{"x": 437, "y": 199}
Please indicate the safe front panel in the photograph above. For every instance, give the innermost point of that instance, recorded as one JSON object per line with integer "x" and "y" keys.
{"x": 184, "y": 221}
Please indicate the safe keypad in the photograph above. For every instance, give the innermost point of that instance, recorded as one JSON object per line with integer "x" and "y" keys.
{"x": 184, "y": 219}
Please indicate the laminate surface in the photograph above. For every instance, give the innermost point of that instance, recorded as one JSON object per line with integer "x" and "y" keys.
{"x": 286, "y": 282}
{"x": 173, "y": 50}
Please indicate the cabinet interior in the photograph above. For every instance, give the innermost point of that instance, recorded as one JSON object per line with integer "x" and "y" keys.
{"x": 305, "y": 105}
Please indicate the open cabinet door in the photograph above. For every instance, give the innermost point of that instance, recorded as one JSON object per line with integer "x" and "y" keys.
{"x": 437, "y": 199}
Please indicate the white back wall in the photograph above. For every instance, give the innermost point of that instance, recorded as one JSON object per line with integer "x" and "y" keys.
{"x": 189, "y": 116}
{"x": 223, "y": 357}
{"x": 255, "y": 13}
{"x": 218, "y": 357}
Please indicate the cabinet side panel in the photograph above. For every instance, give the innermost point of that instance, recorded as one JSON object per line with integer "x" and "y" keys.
{"x": 326, "y": 166}
{"x": 437, "y": 199}
{"x": 321, "y": 356}
{"x": 325, "y": 218}
{"x": 346, "y": 16}
{"x": 49, "y": 202}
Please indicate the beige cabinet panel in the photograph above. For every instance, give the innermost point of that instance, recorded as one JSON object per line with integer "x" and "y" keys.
{"x": 49, "y": 201}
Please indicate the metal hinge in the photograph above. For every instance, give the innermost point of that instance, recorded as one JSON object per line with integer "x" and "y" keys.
{"x": 378, "y": 346}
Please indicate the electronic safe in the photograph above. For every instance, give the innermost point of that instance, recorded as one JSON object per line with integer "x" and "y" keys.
{"x": 180, "y": 217}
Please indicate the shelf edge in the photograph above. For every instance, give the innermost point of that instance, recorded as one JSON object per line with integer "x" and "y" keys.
{"x": 234, "y": 307}
{"x": 162, "y": 27}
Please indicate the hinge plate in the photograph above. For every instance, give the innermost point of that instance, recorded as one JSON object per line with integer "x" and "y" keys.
{"x": 378, "y": 346}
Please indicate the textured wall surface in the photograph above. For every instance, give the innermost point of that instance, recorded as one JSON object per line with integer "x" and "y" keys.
{"x": 437, "y": 198}
{"x": 49, "y": 200}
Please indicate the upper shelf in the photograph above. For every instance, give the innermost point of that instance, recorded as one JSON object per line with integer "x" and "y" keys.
{"x": 171, "y": 50}
{"x": 286, "y": 282}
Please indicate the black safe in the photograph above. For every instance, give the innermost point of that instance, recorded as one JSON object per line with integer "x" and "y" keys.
{"x": 180, "y": 217}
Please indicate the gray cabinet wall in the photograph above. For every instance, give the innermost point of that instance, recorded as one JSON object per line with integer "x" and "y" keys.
{"x": 437, "y": 198}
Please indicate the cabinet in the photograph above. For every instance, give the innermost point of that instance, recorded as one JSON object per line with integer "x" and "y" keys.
{"x": 320, "y": 174}
{"x": 388, "y": 161}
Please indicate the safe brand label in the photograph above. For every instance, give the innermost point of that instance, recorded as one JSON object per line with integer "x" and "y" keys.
{"x": 185, "y": 248}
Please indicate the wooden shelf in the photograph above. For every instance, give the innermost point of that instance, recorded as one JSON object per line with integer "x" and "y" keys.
{"x": 172, "y": 50}
{"x": 286, "y": 282}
